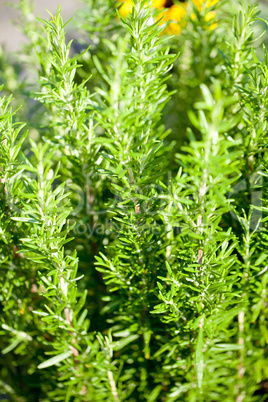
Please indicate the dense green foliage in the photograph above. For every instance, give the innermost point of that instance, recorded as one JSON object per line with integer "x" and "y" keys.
{"x": 134, "y": 225}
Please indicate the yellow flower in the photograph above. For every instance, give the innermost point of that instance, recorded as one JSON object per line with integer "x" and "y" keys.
{"x": 213, "y": 26}
{"x": 209, "y": 3}
{"x": 210, "y": 15}
{"x": 176, "y": 13}
{"x": 128, "y": 5}
{"x": 126, "y": 8}
{"x": 159, "y": 3}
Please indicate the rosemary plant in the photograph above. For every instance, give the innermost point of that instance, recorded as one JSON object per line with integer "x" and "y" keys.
{"x": 133, "y": 231}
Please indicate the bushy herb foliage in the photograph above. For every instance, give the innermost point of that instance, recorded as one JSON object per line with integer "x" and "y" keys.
{"x": 133, "y": 231}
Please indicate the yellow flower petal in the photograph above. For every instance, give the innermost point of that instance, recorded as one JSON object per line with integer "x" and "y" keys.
{"x": 159, "y": 3}
{"x": 175, "y": 13}
{"x": 198, "y": 4}
{"x": 213, "y": 26}
{"x": 209, "y": 3}
{"x": 126, "y": 8}
{"x": 173, "y": 29}
{"x": 210, "y": 15}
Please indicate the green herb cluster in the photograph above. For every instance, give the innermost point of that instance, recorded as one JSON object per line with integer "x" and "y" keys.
{"x": 133, "y": 203}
